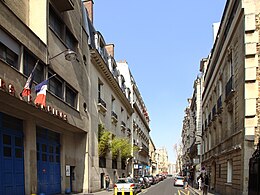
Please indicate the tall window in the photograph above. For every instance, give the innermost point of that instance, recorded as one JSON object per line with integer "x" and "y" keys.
{"x": 229, "y": 171}
{"x": 219, "y": 88}
{"x": 29, "y": 62}
{"x": 8, "y": 56}
{"x": 61, "y": 30}
{"x": 113, "y": 104}
{"x": 231, "y": 66}
{"x": 100, "y": 86}
{"x": 55, "y": 23}
{"x": 55, "y": 85}
{"x": 70, "y": 96}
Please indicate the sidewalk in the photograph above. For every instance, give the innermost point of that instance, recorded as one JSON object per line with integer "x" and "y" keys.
{"x": 197, "y": 192}
{"x": 102, "y": 192}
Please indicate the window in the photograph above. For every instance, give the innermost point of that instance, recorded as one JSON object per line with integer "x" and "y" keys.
{"x": 55, "y": 23}
{"x": 55, "y": 85}
{"x": 29, "y": 63}
{"x": 113, "y": 103}
{"x": 229, "y": 171}
{"x": 219, "y": 170}
{"x": 61, "y": 30}
{"x": 70, "y": 96}
{"x": 100, "y": 85}
{"x": 8, "y": 56}
{"x": 231, "y": 66}
{"x": 70, "y": 41}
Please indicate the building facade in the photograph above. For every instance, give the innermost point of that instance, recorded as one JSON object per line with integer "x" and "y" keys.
{"x": 230, "y": 99}
{"x": 162, "y": 160}
{"x": 44, "y": 147}
{"x": 53, "y": 148}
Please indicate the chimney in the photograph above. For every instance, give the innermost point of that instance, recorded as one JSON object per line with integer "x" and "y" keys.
{"x": 89, "y": 6}
{"x": 110, "y": 49}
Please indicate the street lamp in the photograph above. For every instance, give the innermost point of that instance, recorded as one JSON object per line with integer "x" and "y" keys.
{"x": 69, "y": 55}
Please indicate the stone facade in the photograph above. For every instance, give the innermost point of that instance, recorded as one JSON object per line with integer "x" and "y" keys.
{"x": 229, "y": 99}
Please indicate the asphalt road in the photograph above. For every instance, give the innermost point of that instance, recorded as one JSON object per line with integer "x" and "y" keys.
{"x": 165, "y": 188}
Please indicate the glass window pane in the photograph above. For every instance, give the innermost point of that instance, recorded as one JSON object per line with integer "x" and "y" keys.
{"x": 51, "y": 159}
{"x": 55, "y": 23}
{"x": 7, "y": 139}
{"x": 44, "y": 157}
{"x": 50, "y": 149}
{"x": 70, "y": 96}
{"x": 18, "y": 141}
{"x": 58, "y": 159}
{"x": 7, "y": 152}
{"x": 44, "y": 148}
{"x": 18, "y": 153}
{"x": 55, "y": 86}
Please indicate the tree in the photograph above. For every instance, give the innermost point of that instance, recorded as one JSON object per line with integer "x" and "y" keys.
{"x": 104, "y": 137}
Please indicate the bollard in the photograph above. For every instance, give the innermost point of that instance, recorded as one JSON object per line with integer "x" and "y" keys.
{"x": 115, "y": 190}
{"x": 123, "y": 191}
{"x": 131, "y": 191}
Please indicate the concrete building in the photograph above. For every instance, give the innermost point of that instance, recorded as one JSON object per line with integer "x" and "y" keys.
{"x": 230, "y": 99}
{"x": 45, "y": 147}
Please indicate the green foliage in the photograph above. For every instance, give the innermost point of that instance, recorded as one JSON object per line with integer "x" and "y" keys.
{"x": 103, "y": 140}
{"x": 122, "y": 146}
{"x": 118, "y": 145}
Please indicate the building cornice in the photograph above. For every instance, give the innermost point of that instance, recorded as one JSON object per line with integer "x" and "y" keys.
{"x": 102, "y": 67}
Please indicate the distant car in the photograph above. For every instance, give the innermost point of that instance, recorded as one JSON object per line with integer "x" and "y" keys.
{"x": 178, "y": 181}
{"x": 126, "y": 184}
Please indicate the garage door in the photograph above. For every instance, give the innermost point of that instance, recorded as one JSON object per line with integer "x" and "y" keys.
{"x": 48, "y": 162}
{"x": 11, "y": 156}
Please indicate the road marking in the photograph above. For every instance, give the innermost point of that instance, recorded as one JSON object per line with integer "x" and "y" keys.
{"x": 182, "y": 192}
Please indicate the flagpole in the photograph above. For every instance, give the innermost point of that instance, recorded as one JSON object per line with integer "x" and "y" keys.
{"x": 51, "y": 77}
{"x": 27, "y": 88}
{"x": 45, "y": 80}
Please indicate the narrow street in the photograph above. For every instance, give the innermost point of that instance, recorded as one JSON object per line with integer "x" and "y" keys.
{"x": 165, "y": 188}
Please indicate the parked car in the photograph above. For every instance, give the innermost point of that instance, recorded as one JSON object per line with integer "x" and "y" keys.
{"x": 126, "y": 184}
{"x": 151, "y": 179}
{"x": 178, "y": 181}
{"x": 147, "y": 181}
{"x": 144, "y": 181}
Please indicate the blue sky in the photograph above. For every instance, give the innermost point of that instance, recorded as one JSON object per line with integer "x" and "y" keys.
{"x": 163, "y": 43}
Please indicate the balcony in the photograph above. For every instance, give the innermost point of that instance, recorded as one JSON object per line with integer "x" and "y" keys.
{"x": 144, "y": 149}
{"x": 114, "y": 117}
{"x": 123, "y": 126}
{"x": 102, "y": 107}
{"x": 229, "y": 88}
{"x": 64, "y": 5}
{"x": 129, "y": 132}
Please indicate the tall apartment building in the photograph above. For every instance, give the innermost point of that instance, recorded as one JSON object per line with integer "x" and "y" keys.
{"x": 162, "y": 160}
{"x": 152, "y": 155}
{"x": 230, "y": 99}
{"x": 53, "y": 148}
{"x": 140, "y": 131}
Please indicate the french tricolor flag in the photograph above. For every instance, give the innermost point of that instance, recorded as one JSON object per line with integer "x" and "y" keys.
{"x": 41, "y": 89}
